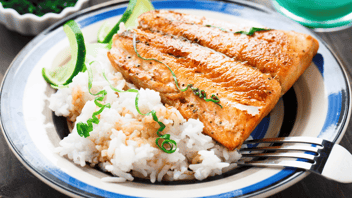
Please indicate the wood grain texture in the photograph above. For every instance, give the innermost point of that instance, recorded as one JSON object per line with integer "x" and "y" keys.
{"x": 16, "y": 181}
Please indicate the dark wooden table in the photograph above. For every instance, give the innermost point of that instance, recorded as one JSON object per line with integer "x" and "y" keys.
{"x": 17, "y": 181}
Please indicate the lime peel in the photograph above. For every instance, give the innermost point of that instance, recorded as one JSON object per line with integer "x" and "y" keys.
{"x": 129, "y": 17}
{"x": 63, "y": 75}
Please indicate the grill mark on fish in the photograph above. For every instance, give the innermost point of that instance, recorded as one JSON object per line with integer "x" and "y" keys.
{"x": 284, "y": 55}
{"x": 237, "y": 124}
{"x": 218, "y": 68}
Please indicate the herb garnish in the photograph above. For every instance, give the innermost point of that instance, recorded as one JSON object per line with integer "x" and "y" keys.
{"x": 249, "y": 33}
{"x": 166, "y": 137}
{"x": 200, "y": 93}
{"x": 83, "y": 129}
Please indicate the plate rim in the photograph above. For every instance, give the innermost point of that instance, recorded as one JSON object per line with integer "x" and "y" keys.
{"x": 286, "y": 182}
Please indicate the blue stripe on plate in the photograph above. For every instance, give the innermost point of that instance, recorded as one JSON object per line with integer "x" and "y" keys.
{"x": 319, "y": 62}
{"x": 333, "y": 115}
{"x": 183, "y": 4}
{"x": 262, "y": 184}
{"x": 260, "y": 131}
{"x": 334, "y": 102}
{"x": 101, "y": 16}
{"x": 201, "y": 5}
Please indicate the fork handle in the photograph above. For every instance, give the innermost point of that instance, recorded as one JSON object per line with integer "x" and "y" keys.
{"x": 338, "y": 165}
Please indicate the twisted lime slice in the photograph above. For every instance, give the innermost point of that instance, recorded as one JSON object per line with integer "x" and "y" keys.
{"x": 129, "y": 17}
{"x": 104, "y": 31}
{"x": 63, "y": 75}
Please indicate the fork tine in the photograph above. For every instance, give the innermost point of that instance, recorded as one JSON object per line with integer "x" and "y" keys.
{"x": 277, "y": 164}
{"x": 307, "y": 140}
{"x": 330, "y": 160}
{"x": 282, "y": 148}
{"x": 287, "y": 155}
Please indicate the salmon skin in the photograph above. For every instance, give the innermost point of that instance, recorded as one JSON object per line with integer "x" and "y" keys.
{"x": 246, "y": 94}
{"x": 284, "y": 55}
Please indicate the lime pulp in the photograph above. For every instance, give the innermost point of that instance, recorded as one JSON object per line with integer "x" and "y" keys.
{"x": 63, "y": 75}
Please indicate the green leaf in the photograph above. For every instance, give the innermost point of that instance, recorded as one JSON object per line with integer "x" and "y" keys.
{"x": 249, "y": 33}
{"x": 200, "y": 94}
{"x": 252, "y": 30}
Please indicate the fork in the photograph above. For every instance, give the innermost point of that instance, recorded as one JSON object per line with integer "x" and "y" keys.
{"x": 318, "y": 156}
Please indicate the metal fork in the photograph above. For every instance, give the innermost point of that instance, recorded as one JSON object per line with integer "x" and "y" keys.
{"x": 321, "y": 156}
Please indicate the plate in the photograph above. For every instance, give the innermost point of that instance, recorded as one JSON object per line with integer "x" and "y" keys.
{"x": 318, "y": 105}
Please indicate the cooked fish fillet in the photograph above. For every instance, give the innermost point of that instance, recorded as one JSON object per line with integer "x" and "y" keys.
{"x": 246, "y": 95}
{"x": 282, "y": 54}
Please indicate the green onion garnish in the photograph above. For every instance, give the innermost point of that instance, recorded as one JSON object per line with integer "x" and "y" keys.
{"x": 83, "y": 129}
{"x": 249, "y": 33}
{"x": 166, "y": 137}
{"x": 196, "y": 91}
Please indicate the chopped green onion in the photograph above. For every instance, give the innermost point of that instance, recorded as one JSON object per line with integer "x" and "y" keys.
{"x": 252, "y": 30}
{"x": 249, "y": 33}
{"x": 200, "y": 94}
{"x": 166, "y": 137}
{"x": 217, "y": 27}
{"x": 173, "y": 74}
{"x": 83, "y": 129}
{"x": 203, "y": 95}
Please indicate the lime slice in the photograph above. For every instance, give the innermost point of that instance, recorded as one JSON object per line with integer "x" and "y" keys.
{"x": 104, "y": 31}
{"x": 129, "y": 17}
{"x": 141, "y": 7}
{"x": 63, "y": 75}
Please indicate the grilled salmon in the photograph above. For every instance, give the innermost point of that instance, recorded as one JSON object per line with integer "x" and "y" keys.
{"x": 284, "y": 55}
{"x": 246, "y": 94}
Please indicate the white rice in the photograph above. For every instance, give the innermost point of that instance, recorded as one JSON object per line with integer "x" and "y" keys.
{"x": 123, "y": 143}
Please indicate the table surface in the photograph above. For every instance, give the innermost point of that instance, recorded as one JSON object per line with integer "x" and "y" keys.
{"x": 17, "y": 181}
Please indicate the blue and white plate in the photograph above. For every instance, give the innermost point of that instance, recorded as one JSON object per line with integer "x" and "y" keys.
{"x": 317, "y": 106}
